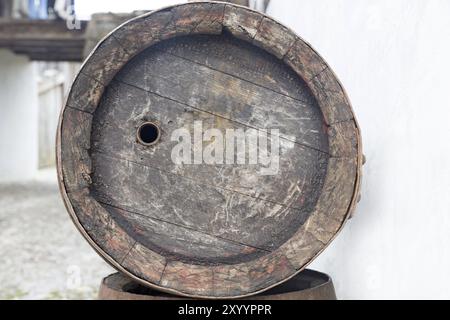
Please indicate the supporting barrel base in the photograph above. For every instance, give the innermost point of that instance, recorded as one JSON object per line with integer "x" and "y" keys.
{"x": 308, "y": 285}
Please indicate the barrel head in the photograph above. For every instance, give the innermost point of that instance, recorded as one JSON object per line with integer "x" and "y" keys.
{"x": 206, "y": 150}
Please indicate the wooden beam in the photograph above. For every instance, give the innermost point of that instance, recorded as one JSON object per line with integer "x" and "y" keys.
{"x": 47, "y": 40}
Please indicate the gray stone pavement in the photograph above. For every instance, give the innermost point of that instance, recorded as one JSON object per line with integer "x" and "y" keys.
{"x": 42, "y": 255}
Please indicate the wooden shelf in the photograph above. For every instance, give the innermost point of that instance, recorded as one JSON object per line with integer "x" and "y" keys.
{"x": 45, "y": 40}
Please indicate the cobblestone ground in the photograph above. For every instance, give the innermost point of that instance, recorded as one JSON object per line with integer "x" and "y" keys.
{"x": 42, "y": 255}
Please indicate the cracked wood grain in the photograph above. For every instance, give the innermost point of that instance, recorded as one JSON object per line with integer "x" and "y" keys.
{"x": 145, "y": 263}
{"x": 101, "y": 226}
{"x": 343, "y": 139}
{"x": 102, "y": 64}
{"x": 331, "y": 98}
{"x": 241, "y": 23}
{"x": 142, "y": 32}
{"x": 304, "y": 60}
{"x": 177, "y": 242}
{"x": 265, "y": 272}
{"x": 86, "y": 95}
{"x": 188, "y": 278}
{"x": 114, "y": 134}
{"x": 75, "y": 141}
{"x": 250, "y": 64}
{"x": 274, "y": 38}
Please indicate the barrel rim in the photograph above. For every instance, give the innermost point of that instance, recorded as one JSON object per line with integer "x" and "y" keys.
{"x": 340, "y": 192}
{"x": 116, "y": 284}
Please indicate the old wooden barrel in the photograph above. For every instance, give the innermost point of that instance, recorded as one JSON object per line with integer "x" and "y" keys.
{"x": 307, "y": 285}
{"x": 206, "y": 150}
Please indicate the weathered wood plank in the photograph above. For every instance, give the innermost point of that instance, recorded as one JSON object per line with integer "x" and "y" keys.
{"x": 307, "y": 286}
{"x": 86, "y": 95}
{"x": 101, "y": 24}
{"x": 75, "y": 145}
{"x": 200, "y": 18}
{"x": 274, "y": 37}
{"x": 173, "y": 199}
{"x": 263, "y": 273}
{"x": 179, "y": 243}
{"x": 202, "y": 231}
{"x": 105, "y": 61}
{"x": 188, "y": 278}
{"x": 328, "y": 216}
{"x": 241, "y": 60}
{"x": 142, "y": 32}
{"x": 343, "y": 139}
{"x": 100, "y": 226}
{"x": 43, "y": 40}
{"x": 241, "y": 23}
{"x": 226, "y": 96}
{"x": 304, "y": 60}
{"x": 114, "y": 133}
{"x": 144, "y": 263}
{"x": 331, "y": 98}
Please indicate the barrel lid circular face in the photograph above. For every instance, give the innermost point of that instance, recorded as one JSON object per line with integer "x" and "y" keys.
{"x": 206, "y": 150}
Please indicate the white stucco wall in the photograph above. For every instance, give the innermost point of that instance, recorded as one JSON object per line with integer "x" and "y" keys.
{"x": 18, "y": 118}
{"x": 393, "y": 57}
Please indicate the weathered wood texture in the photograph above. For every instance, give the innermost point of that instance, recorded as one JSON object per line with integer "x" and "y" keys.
{"x": 44, "y": 40}
{"x": 207, "y": 230}
{"x": 308, "y": 285}
{"x": 103, "y": 23}
{"x": 238, "y": 2}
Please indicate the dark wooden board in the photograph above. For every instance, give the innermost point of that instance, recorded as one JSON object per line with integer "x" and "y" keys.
{"x": 226, "y": 201}
{"x": 205, "y": 229}
{"x": 231, "y": 95}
